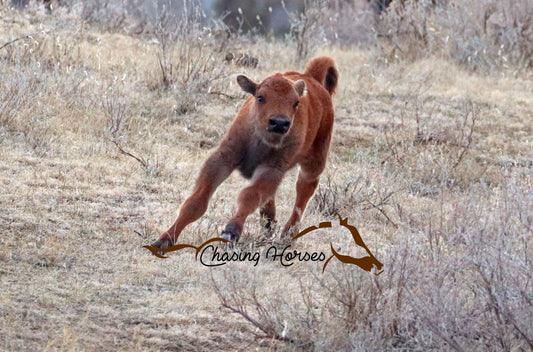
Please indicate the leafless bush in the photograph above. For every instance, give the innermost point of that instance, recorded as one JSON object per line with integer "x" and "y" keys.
{"x": 118, "y": 118}
{"x": 117, "y": 126}
{"x": 331, "y": 196}
{"x": 458, "y": 135}
{"x": 17, "y": 96}
{"x": 189, "y": 55}
{"x": 349, "y": 23}
{"x": 403, "y": 30}
{"x": 307, "y": 28}
{"x": 274, "y": 317}
{"x": 11, "y": 102}
{"x": 342, "y": 309}
{"x": 109, "y": 15}
{"x": 489, "y": 33}
{"x": 436, "y": 153}
{"x": 473, "y": 300}
{"x": 116, "y": 115}
{"x": 480, "y": 35}
{"x": 464, "y": 284}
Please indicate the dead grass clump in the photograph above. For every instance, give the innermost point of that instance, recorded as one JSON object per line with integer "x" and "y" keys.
{"x": 333, "y": 196}
{"x": 43, "y": 51}
{"x": 17, "y": 113}
{"x": 11, "y": 99}
{"x": 432, "y": 151}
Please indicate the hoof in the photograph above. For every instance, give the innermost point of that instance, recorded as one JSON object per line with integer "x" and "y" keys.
{"x": 163, "y": 244}
{"x": 285, "y": 240}
{"x": 288, "y": 234}
{"x": 233, "y": 237}
{"x": 228, "y": 237}
{"x": 232, "y": 232}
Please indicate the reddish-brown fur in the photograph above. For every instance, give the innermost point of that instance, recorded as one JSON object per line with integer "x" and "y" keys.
{"x": 263, "y": 156}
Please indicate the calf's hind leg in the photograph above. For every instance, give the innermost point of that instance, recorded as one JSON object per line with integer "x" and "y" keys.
{"x": 265, "y": 181}
{"x": 268, "y": 213}
{"x": 310, "y": 170}
{"x": 305, "y": 189}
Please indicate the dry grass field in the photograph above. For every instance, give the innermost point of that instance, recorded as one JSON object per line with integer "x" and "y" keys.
{"x": 103, "y": 132}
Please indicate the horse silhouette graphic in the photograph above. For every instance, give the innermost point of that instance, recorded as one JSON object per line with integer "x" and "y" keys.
{"x": 366, "y": 263}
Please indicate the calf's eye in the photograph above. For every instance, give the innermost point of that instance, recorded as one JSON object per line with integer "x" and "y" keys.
{"x": 296, "y": 104}
{"x": 261, "y": 99}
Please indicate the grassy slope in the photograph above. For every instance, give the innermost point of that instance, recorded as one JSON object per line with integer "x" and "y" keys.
{"x": 75, "y": 212}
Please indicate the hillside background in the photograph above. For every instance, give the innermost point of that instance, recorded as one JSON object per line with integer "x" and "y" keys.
{"x": 109, "y": 108}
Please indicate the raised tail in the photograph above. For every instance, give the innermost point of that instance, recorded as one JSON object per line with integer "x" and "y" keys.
{"x": 324, "y": 70}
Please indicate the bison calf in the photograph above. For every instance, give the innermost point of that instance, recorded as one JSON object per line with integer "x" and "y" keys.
{"x": 288, "y": 120}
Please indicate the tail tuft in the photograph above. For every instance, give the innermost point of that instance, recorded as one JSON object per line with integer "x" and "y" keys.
{"x": 324, "y": 70}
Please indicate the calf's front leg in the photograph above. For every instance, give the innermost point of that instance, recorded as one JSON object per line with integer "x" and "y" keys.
{"x": 215, "y": 170}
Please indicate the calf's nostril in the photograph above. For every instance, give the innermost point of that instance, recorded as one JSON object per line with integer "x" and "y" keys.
{"x": 279, "y": 126}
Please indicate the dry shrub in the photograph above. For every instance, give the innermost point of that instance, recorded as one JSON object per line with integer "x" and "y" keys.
{"x": 430, "y": 151}
{"x": 18, "y": 115}
{"x": 43, "y": 51}
{"x": 349, "y": 23}
{"x": 126, "y": 132}
{"x": 487, "y": 34}
{"x": 269, "y": 308}
{"x": 109, "y": 15}
{"x": 307, "y": 28}
{"x": 190, "y": 55}
{"x": 322, "y": 22}
{"x": 421, "y": 154}
{"x": 403, "y": 30}
{"x": 462, "y": 284}
{"x": 477, "y": 34}
{"x": 477, "y": 294}
{"x": 342, "y": 309}
{"x": 333, "y": 196}
{"x": 40, "y": 68}
{"x": 359, "y": 193}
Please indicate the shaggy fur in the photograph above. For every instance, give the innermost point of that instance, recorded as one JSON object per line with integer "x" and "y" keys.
{"x": 259, "y": 146}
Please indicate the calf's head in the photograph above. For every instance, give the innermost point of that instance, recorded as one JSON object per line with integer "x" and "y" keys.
{"x": 276, "y": 103}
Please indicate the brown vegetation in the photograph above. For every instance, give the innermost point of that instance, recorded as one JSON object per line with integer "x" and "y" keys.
{"x": 103, "y": 128}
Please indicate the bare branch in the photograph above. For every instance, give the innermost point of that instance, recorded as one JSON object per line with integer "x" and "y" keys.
{"x": 27, "y": 36}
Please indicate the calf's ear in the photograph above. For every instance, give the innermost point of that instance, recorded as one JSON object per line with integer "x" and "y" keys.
{"x": 299, "y": 85}
{"x": 247, "y": 84}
